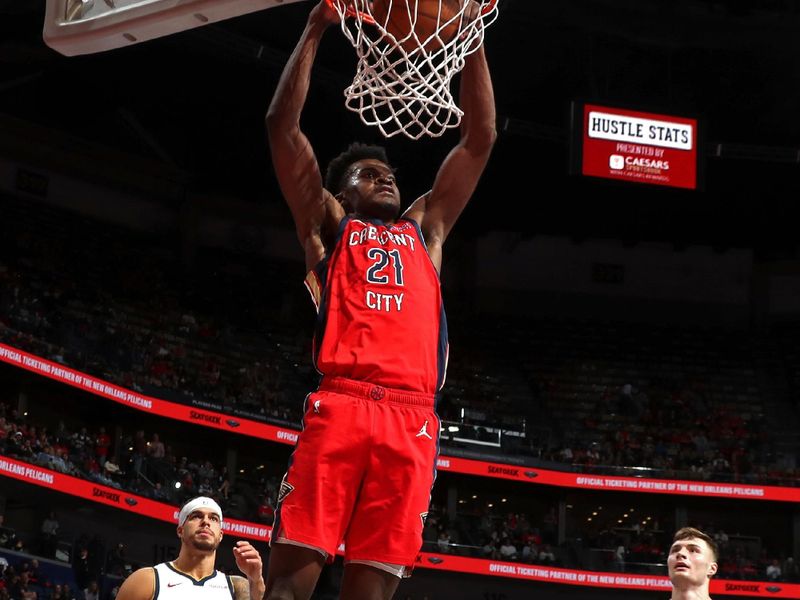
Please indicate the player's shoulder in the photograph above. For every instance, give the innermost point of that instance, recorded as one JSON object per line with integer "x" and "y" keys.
{"x": 139, "y": 585}
{"x": 416, "y": 211}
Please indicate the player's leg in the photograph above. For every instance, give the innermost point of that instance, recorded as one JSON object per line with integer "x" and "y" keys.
{"x": 293, "y": 572}
{"x": 317, "y": 494}
{"x": 385, "y": 532}
{"x": 363, "y": 582}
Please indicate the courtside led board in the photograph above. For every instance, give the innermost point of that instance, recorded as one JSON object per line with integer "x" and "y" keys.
{"x": 630, "y": 145}
{"x": 242, "y": 426}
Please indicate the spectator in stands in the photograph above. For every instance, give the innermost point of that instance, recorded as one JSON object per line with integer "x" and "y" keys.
{"x": 160, "y": 493}
{"x": 139, "y": 452}
{"x": 444, "y": 542}
{"x": 101, "y": 445}
{"x": 489, "y": 548}
{"x": 155, "y": 448}
{"x": 507, "y": 550}
{"x": 790, "y": 570}
{"x": 81, "y": 568}
{"x": 691, "y": 564}
{"x": 106, "y": 474}
{"x": 619, "y": 557}
{"x": 223, "y": 483}
{"x": 546, "y": 555}
{"x": 49, "y": 531}
{"x": 61, "y": 462}
{"x": 19, "y": 545}
{"x": 81, "y": 443}
{"x": 721, "y": 539}
{"x": 774, "y": 571}
{"x": 92, "y": 591}
{"x": 115, "y": 563}
{"x": 20, "y": 587}
{"x": 205, "y": 489}
{"x": 530, "y": 552}
{"x": 266, "y": 512}
{"x": 8, "y": 537}
{"x": 34, "y": 571}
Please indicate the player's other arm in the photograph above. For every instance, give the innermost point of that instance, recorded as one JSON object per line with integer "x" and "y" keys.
{"x": 293, "y": 157}
{"x": 438, "y": 210}
{"x": 140, "y": 585}
{"x": 245, "y": 590}
{"x": 249, "y": 562}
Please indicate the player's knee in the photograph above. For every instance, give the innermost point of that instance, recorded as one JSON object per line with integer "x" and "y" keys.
{"x": 284, "y": 590}
{"x": 281, "y": 594}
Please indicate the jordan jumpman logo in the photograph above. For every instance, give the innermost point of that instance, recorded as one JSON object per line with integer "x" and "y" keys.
{"x": 423, "y": 431}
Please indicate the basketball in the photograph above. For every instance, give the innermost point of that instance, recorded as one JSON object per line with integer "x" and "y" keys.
{"x": 398, "y": 18}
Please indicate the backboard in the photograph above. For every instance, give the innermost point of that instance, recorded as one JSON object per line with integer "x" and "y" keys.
{"x": 75, "y": 27}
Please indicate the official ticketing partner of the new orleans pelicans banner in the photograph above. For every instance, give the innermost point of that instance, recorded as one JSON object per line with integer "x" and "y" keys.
{"x": 192, "y": 575}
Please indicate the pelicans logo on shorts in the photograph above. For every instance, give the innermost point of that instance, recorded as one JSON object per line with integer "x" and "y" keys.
{"x": 286, "y": 489}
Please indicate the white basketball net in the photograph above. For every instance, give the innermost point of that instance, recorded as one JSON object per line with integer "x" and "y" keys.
{"x": 403, "y": 85}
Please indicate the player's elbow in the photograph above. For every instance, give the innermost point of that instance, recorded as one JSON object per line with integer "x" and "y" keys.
{"x": 273, "y": 122}
{"x": 277, "y": 121}
{"x": 479, "y": 141}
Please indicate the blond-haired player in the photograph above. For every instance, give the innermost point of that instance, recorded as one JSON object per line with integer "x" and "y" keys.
{"x": 691, "y": 564}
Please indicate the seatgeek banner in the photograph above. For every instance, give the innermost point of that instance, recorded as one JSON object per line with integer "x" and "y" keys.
{"x": 652, "y": 583}
{"x": 208, "y": 418}
{"x": 123, "y": 500}
{"x": 619, "y": 484}
{"x": 162, "y": 408}
{"x": 102, "y": 494}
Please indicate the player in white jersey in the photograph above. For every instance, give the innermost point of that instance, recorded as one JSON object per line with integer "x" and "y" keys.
{"x": 192, "y": 575}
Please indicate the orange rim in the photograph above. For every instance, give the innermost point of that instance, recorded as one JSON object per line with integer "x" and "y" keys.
{"x": 489, "y": 6}
{"x": 351, "y": 12}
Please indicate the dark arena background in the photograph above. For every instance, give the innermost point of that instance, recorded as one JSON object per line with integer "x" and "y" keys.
{"x": 625, "y": 357}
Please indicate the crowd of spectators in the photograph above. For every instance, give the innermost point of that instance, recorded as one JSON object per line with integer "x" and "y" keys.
{"x": 531, "y": 539}
{"x": 146, "y": 465}
{"x": 85, "y": 568}
{"x": 150, "y": 468}
{"x": 590, "y": 396}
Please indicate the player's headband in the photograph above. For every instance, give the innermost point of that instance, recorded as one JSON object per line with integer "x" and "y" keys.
{"x": 199, "y": 502}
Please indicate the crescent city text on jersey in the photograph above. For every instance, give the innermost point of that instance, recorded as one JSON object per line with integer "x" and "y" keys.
{"x": 371, "y": 233}
{"x": 378, "y": 301}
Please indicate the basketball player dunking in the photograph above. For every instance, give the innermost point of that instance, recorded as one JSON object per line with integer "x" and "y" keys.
{"x": 192, "y": 575}
{"x": 364, "y": 465}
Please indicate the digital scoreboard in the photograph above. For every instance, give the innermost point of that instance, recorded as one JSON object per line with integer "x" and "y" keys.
{"x": 635, "y": 146}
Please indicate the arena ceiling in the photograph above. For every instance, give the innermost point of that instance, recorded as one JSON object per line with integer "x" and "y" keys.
{"x": 195, "y": 101}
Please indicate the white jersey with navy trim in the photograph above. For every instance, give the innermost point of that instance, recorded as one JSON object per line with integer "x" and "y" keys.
{"x": 171, "y": 584}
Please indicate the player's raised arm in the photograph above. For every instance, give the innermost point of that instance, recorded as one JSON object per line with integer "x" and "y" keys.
{"x": 458, "y": 176}
{"x": 293, "y": 157}
{"x": 249, "y": 562}
{"x": 140, "y": 585}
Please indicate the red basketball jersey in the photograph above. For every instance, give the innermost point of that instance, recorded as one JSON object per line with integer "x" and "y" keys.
{"x": 380, "y": 313}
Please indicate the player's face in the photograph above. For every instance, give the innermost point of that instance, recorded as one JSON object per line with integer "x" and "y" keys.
{"x": 202, "y": 530}
{"x": 370, "y": 189}
{"x": 690, "y": 563}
